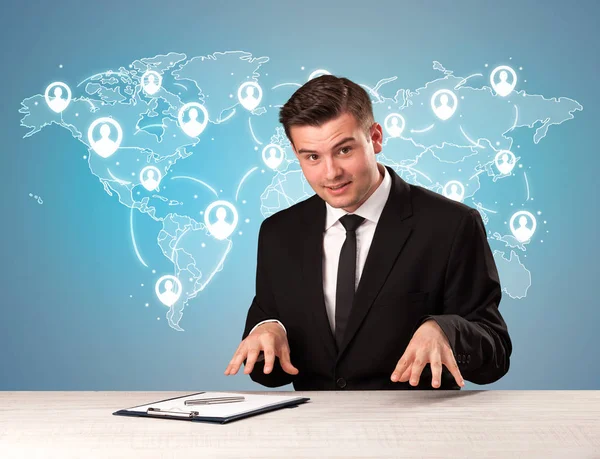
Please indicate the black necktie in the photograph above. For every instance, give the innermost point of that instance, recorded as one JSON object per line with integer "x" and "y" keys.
{"x": 346, "y": 278}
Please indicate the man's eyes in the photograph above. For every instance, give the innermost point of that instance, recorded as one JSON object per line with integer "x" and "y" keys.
{"x": 341, "y": 149}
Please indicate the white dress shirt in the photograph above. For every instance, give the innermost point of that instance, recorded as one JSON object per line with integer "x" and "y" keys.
{"x": 334, "y": 236}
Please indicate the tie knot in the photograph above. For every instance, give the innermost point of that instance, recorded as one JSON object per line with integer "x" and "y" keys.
{"x": 351, "y": 221}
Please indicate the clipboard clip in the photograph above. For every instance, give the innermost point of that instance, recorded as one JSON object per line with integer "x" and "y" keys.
{"x": 180, "y": 414}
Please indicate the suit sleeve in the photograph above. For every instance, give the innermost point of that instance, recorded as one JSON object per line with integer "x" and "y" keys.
{"x": 263, "y": 308}
{"x": 476, "y": 331}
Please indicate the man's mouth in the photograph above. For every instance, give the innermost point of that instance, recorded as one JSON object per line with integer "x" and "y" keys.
{"x": 337, "y": 187}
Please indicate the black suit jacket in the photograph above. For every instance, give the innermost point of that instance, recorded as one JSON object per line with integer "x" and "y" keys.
{"x": 429, "y": 258}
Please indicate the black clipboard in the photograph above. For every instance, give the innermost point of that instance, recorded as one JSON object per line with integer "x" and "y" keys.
{"x": 193, "y": 416}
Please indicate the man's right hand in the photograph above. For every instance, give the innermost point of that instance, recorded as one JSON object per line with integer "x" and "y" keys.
{"x": 269, "y": 338}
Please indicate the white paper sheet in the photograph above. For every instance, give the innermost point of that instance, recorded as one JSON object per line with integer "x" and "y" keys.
{"x": 252, "y": 402}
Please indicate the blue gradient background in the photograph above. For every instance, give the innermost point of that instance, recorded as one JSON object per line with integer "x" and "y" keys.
{"x": 68, "y": 266}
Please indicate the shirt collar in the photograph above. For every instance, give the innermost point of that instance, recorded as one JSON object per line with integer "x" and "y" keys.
{"x": 370, "y": 209}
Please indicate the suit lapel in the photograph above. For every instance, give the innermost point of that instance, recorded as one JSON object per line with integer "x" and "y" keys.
{"x": 312, "y": 270}
{"x": 391, "y": 234}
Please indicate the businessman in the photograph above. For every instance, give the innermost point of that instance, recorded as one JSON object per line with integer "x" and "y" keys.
{"x": 372, "y": 283}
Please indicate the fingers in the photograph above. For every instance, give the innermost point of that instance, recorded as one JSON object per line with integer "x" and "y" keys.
{"x": 436, "y": 372}
{"x": 451, "y": 364}
{"x": 401, "y": 367}
{"x": 269, "y": 360}
{"x": 410, "y": 367}
{"x": 286, "y": 364}
{"x": 417, "y": 368}
{"x": 284, "y": 360}
{"x": 252, "y": 356}
{"x": 237, "y": 359}
{"x": 249, "y": 350}
{"x": 406, "y": 375}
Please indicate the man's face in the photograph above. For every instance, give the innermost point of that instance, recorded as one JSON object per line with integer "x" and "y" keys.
{"x": 328, "y": 158}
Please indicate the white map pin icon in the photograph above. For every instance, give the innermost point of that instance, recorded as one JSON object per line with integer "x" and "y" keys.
{"x": 273, "y": 155}
{"x": 247, "y": 95}
{"x": 394, "y": 124}
{"x": 523, "y": 233}
{"x": 56, "y": 102}
{"x": 454, "y": 190}
{"x": 503, "y": 88}
{"x": 193, "y": 128}
{"x": 105, "y": 146}
{"x": 150, "y": 177}
{"x": 151, "y": 82}
{"x": 444, "y": 111}
{"x": 318, "y": 73}
{"x": 505, "y": 161}
{"x": 170, "y": 292}
{"x": 220, "y": 229}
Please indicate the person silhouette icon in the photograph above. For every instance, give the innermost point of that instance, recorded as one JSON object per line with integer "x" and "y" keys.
{"x": 171, "y": 292}
{"x": 503, "y": 88}
{"x": 394, "y": 129}
{"x": 273, "y": 161}
{"x": 454, "y": 190}
{"x": 505, "y": 161}
{"x": 247, "y": 97}
{"x": 394, "y": 124}
{"x": 273, "y": 155}
{"x": 169, "y": 296}
{"x": 444, "y": 111}
{"x": 505, "y": 166}
{"x": 150, "y": 183}
{"x": 151, "y": 87}
{"x": 523, "y": 233}
{"x": 454, "y": 194}
{"x": 220, "y": 229}
{"x": 105, "y": 144}
{"x": 151, "y": 82}
{"x": 192, "y": 127}
{"x": 56, "y": 102}
{"x": 150, "y": 178}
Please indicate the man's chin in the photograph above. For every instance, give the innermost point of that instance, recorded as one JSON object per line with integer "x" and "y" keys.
{"x": 341, "y": 202}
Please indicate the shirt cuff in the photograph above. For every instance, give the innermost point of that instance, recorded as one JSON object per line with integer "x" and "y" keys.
{"x": 269, "y": 320}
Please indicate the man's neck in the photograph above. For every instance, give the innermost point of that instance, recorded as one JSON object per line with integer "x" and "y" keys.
{"x": 381, "y": 170}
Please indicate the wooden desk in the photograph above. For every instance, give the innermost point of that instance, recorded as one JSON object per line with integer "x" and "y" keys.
{"x": 378, "y": 424}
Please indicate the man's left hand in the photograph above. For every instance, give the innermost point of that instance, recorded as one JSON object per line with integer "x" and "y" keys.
{"x": 428, "y": 345}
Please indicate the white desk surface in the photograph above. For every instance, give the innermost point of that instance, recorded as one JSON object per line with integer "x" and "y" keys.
{"x": 377, "y": 424}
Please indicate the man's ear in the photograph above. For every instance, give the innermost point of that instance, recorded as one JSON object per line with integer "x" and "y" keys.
{"x": 377, "y": 137}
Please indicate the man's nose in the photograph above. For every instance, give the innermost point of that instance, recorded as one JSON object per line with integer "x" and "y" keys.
{"x": 332, "y": 170}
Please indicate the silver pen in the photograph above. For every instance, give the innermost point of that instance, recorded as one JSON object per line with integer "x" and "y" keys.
{"x": 214, "y": 400}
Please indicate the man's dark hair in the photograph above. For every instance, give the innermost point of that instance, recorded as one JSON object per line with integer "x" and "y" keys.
{"x": 325, "y": 98}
